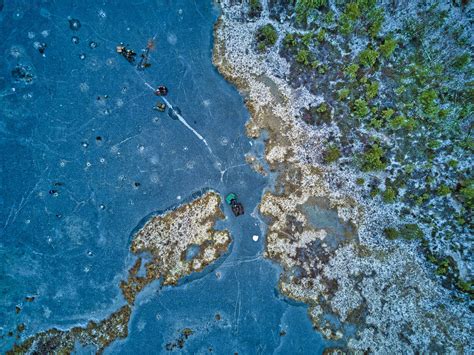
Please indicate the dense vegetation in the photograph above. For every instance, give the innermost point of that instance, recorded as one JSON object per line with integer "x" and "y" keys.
{"x": 399, "y": 88}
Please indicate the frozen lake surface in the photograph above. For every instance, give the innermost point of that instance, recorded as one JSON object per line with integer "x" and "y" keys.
{"x": 84, "y": 158}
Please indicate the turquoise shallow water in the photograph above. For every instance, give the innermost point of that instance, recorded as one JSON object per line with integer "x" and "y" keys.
{"x": 84, "y": 158}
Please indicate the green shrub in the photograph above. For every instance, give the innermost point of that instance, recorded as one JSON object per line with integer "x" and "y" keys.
{"x": 397, "y": 122}
{"x": 352, "y": 11}
{"x": 411, "y": 231}
{"x": 377, "y": 18}
{"x": 427, "y": 99}
{"x": 373, "y": 159}
{"x": 323, "y": 107}
{"x": 391, "y": 233}
{"x": 389, "y": 195}
{"x": 433, "y": 144}
{"x": 400, "y": 90}
{"x": 307, "y": 39}
{"x": 465, "y": 286}
{"x": 409, "y": 124}
{"x": 388, "y": 47}
{"x": 360, "y": 108}
{"x": 443, "y": 267}
{"x": 289, "y": 40}
{"x": 376, "y": 123}
{"x": 401, "y": 121}
{"x": 351, "y": 70}
{"x": 467, "y": 193}
{"x": 461, "y": 61}
{"x": 387, "y": 113}
{"x": 323, "y": 69}
{"x": 409, "y": 168}
{"x": 443, "y": 190}
{"x": 345, "y": 24}
{"x": 372, "y": 90}
{"x": 343, "y": 94}
{"x": 255, "y": 8}
{"x": 304, "y": 7}
{"x": 331, "y": 154}
{"x": 329, "y": 18}
{"x": 266, "y": 36}
{"x": 303, "y": 57}
{"x": 321, "y": 36}
{"x": 453, "y": 163}
{"x": 366, "y": 5}
{"x": 360, "y": 181}
{"x": 368, "y": 57}
{"x": 374, "y": 192}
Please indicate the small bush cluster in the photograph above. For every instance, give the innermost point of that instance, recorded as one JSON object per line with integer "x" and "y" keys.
{"x": 266, "y": 36}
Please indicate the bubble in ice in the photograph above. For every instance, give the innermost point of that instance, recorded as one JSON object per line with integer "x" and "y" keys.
{"x": 75, "y": 39}
{"x": 47, "y": 312}
{"x": 141, "y": 325}
{"x": 93, "y": 44}
{"x": 45, "y": 33}
{"x": 45, "y": 13}
{"x": 82, "y": 56}
{"x": 171, "y": 38}
{"x": 102, "y": 14}
{"x": 84, "y": 87}
{"x": 93, "y": 64}
{"x": 224, "y": 141}
{"x": 74, "y": 24}
{"x": 18, "y": 15}
{"x": 15, "y": 52}
{"x": 255, "y": 238}
{"x": 31, "y": 35}
{"x": 110, "y": 62}
{"x": 154, "y": 178}
{"x": 154, "y": 160}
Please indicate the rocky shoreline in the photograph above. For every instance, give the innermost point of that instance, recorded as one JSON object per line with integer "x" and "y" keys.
{"x": 373, "y": 294}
